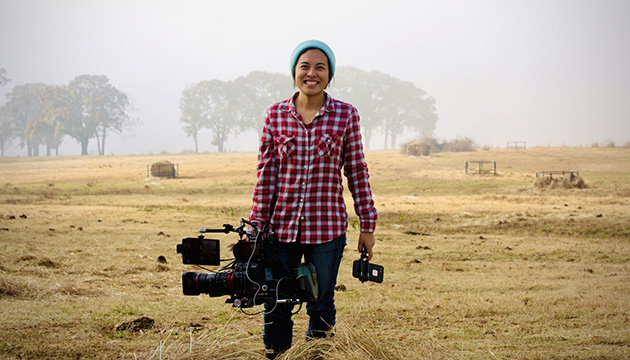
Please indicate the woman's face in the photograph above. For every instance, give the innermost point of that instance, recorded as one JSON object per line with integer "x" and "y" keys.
{"x": 311, "y": 72}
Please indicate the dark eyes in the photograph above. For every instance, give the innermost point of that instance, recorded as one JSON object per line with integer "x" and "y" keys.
{"x": 319, "y": 67}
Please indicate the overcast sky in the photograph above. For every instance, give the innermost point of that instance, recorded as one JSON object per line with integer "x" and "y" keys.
{"x": 548, "y": 72}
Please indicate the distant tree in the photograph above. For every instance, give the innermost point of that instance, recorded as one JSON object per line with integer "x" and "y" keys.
{"x": 23, "y": 110}
{"x": 7, "y": 133}
{"x": 83, "y": 127}
{"x": 411, "y": 110}
{"x": 255, "y": 93}
{"x": 6, "y": 126}
{"x": 423, "y": 118}
{"x": 112, "y": 115}
{"x": 359, "y": 87}
{"x": 3, "y": 77}
{"x": 60, "y": 111}
{"x": 460, "y": 145}
{"x": 192, "y": 108}
{"x": 222, "y": 110}
{"x": 385, "y": 103}
{"x": 103, "y": 108}
{"x": 213, "y": 105}
{"x": 390, "y": 104}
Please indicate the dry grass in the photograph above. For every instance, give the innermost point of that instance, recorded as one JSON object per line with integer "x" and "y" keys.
{"x": 477, "y": 267}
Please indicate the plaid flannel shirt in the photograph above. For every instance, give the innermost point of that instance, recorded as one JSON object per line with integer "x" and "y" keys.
{"x": 299, "y": 184}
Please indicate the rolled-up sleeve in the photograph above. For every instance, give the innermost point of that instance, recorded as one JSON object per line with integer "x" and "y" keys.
{"x": 267, "y": 170}
{"x": 356, "y": 170}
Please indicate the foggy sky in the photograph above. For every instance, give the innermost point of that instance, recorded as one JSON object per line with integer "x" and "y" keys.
{"x": 548, "y": 72}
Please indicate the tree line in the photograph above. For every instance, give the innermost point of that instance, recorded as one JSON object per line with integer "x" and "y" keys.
{"x": 86, "y": 108}
{"x": 386, "y": 104}
{"x": 90, "y": 108}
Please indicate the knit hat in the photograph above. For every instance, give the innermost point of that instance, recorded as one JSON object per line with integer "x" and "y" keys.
{"x": 313, "y": 44}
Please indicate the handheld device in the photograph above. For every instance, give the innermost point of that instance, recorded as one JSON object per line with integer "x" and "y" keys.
{"x": 363, "y": 270}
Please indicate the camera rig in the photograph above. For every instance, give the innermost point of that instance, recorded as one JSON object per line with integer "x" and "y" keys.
{"x": 253, "y": 276}
{"x": 363, "y": 270}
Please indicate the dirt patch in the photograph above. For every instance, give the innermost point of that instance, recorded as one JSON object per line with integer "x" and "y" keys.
{"x": 143, "y": 323}
{"x": 46, "y": 262}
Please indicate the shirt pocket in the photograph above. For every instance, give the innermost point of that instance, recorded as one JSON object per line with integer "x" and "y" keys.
{"x": 328, "y": 145}
{"x": 285, "y": 146}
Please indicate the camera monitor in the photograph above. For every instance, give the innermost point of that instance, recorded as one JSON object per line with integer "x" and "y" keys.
{"x": 200, "y": 251}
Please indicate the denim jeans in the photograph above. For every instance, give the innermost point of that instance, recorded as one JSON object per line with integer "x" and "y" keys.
{"x": 326, "y": 257}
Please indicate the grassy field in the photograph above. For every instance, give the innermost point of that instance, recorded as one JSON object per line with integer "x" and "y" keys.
{"x": 476, "y": 267}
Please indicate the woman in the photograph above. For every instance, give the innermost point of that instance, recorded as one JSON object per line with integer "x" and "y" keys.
{"x": 306, "y": 142}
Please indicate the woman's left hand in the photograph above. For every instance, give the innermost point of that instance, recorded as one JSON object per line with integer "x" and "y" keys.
{"x": 368, "y": 240}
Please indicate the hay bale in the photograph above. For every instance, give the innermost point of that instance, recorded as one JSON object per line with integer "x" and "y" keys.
{"x": 568, "y": 181}
{"x": 418, "y": 149}
{"x": 542, "y": 182}
{"x": 163, "y": 169}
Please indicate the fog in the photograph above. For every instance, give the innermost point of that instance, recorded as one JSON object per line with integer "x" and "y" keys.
{"x": 549, "y": 73}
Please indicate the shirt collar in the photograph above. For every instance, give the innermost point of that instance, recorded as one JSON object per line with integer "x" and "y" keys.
{"x": 329, "y": 104}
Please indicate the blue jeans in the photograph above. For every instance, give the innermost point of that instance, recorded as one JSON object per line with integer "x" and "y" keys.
{"x": 326, "y": 258}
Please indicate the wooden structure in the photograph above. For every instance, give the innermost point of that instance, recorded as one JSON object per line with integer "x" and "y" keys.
{"x": 492, "y": 169}
{"x": 516, "y": 145}
{"x": 572, "y": 173}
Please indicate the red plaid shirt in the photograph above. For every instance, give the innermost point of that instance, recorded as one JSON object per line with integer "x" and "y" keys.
{"x": 299, "y": 183}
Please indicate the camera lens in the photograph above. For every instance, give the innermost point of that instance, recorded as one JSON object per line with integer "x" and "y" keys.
{"x": 213, "y": 284}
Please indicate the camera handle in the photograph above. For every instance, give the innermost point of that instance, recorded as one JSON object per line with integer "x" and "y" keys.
{"x": 364, "y": 253}
{"x": 227, "y": 228}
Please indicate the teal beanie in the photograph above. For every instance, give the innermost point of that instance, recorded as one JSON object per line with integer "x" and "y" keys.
{"x": 313, "y": 44}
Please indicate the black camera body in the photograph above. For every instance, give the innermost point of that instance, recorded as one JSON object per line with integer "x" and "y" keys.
{"x": 254, "y": 276}
{"x": 363, "y": 270}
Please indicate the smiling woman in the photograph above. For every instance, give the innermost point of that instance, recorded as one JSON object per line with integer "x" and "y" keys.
{"x": 312, "y": 67}
{"x": 307, "y": 140}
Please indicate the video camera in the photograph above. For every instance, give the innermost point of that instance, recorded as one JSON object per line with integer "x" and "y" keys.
{"x": 253, "y": 277}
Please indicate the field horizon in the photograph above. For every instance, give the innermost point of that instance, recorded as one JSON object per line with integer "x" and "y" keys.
{"x": 491, "y": 266}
